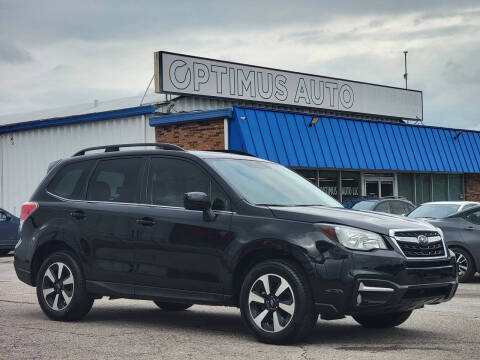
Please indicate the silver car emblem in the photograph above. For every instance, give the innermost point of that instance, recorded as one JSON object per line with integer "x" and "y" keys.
{"x": 423, "y": 240}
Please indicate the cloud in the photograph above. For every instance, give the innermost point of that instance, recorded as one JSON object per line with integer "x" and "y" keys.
{"x": 79, "y": 51}
{"x": 10, "y": 53}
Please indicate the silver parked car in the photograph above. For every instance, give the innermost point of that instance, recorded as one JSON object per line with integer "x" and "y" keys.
{"x": 441, "y": 209}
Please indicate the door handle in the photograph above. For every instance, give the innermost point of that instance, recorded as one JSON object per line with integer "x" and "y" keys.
{"x": 79, "y": 215}
{"x": 470, "y": 228}
{"x": 146, "y": 221}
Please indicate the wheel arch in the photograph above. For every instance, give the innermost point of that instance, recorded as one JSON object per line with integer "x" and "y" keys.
{"x": 266, "y": 250}
{"x": 43, "y": 251}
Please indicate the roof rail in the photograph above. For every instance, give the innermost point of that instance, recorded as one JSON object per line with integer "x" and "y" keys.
{"x": 238, "y": 152}
{"x": 112, "y": 148}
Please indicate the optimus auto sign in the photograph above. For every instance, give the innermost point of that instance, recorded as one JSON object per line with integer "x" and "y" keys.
{"x": 183, "y": 74}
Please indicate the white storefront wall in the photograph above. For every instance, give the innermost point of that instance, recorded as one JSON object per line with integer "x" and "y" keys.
{"x": 25, "y": 155}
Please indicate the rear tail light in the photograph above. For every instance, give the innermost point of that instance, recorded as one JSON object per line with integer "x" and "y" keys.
{"x": 28, "y": 209}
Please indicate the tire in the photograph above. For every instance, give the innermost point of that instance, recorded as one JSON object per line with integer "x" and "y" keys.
{"x": 383, "y": 321}
{"x": 172, "y": 306}
{"x": 465, "y": 264}
{"x": 4, "y": 252}
{"x": 67, "y": 299}
{"x": 277, "y": 317}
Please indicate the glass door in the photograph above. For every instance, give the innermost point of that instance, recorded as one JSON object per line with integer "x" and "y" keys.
{"x": 379, "y": 186}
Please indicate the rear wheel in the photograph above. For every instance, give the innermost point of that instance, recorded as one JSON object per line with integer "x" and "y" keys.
{"x": 61, "y": 288}
{"x": 383, "y": 320}
{"x": 172, "y": 306}
{"x": 465, "y": 264}
{"x": 276, "y": 302}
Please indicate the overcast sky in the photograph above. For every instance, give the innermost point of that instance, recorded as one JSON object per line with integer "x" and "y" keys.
{"x": 56, "y": 53}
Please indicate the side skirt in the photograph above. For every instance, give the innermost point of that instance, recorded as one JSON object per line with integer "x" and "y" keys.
{"x": 117, "y": 290}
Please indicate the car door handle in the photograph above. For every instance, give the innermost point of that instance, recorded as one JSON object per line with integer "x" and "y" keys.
{"x": 146, "y": 221}
{"x": 470, "y": 228}
{"x": 79, "y": 215}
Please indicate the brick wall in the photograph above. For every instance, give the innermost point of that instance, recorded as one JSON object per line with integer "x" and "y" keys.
{"x": 472, "y": 187}
{"x": 198, "y": 135}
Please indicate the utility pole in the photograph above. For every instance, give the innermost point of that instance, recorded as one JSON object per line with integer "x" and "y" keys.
{"x": 405, "y": 76}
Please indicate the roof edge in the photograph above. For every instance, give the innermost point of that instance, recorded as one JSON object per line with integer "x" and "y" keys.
{"x": 191, "y": 116}
{"x": 77, "y": 119}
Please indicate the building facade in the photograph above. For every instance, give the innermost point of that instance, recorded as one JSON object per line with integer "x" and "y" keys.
{"x": 328, "y": 130}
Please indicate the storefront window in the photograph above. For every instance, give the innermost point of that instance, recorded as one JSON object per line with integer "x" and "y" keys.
{"x": 423, "y": 186}
{"x": 440, "y": 187}
{"x": 455, "y": 187}
{"x": 310, "y": 175}
{"x": 406, "y": 186}
{"x": 328, "y": 182}
{"x": 350, "y": 185}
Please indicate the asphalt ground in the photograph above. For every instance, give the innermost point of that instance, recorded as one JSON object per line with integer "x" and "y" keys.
{"x": 127, "y": 329}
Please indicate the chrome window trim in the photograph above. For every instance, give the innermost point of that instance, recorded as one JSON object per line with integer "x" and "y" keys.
{"x": 394, "y": 240}
{"x": 135, "y": 204}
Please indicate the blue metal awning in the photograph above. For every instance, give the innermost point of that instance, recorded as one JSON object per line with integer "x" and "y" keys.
{"x": 333, "y": 142}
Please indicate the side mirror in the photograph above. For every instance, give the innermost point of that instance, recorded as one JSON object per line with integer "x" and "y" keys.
{"x": 199, "y": 201}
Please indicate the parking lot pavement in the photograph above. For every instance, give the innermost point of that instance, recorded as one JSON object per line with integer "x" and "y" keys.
{"x": 117, "y": 329}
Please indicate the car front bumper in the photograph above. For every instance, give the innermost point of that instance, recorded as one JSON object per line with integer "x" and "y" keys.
{"x": 382, "y": 282}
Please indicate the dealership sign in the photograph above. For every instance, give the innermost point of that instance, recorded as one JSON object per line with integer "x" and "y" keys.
{"x": 183, "y": 74}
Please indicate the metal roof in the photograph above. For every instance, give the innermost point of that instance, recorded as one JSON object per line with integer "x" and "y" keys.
{"x": 81, "y": 109}
{"x": 334, "y": 142}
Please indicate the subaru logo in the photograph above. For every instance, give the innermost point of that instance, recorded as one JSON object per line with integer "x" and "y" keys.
{"x": 423, "y": 240}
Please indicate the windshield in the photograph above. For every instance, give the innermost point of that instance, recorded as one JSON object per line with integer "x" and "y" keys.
{"x": 265, "y": 183}
{"x": 364, "y": 205}
{"x": 434, "y": 211}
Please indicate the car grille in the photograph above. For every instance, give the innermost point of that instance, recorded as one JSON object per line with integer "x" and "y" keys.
{"x": 408, "y": 243}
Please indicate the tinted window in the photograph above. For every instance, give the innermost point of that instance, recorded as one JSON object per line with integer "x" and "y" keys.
{"x": 474, "y": 217}
{"x": 3, "y": 216}
{"x": 70, "y": 180}
{"x": 468, "y": 206}
{"x": 365, "y": 205}
{"x": 399, "y": 207}
{"x": 383, "y": 207}
{"x": 266, "y": 183}
{"x": 116, "y": 180}
{"x": 434, "y": 211}
{"x": 170, "y": 179}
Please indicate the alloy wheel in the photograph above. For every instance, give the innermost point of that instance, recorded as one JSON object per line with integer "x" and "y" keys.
{"x": 271, "y": 302}
{"x": 58, "y": 286}
{"x": 462, "y": 262}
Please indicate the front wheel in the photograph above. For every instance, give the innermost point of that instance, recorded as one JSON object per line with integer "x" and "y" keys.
{"x": 276, "y": 302}
{"x": 61, "y": 288}
{"x": 465, "y": 265}
{"x": 382, "y": 321}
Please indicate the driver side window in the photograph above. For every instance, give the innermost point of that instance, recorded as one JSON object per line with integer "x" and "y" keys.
{"x": 474, "y": 217}
{"x": 3, "y": 216}
{"x": 170, "y": 178}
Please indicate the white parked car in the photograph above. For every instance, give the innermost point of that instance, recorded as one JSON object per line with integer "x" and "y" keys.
{"x": 441, "y": 209}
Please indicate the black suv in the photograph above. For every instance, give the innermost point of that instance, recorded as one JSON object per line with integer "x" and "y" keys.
{"x": 198, "y": 227}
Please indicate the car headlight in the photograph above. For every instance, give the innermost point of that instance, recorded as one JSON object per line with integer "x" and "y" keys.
{"x": 358, "y": 239}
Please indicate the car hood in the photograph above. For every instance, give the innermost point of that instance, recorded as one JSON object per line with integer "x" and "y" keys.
{"x": 367, "y": 220}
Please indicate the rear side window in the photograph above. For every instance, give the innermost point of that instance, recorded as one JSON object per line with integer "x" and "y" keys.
{"x": 400, "y": 207}
{"x": 383, "y": 207}
{"x": 170, "y": 179}
{"x": 474, "y": 217}
{"x": 70, "y": 180}
{"x": 116, "y": 180}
